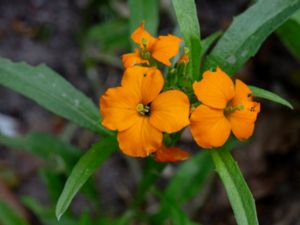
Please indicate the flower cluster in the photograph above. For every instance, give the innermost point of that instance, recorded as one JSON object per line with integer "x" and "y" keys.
{"x": 138, "y": 109}
{"x": 144, "y": 109}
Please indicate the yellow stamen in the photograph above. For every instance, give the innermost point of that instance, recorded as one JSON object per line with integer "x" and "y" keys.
{"x": 140, "y": 107}
{"x": 143, "y": 109}
{"x": 229, "y": 109}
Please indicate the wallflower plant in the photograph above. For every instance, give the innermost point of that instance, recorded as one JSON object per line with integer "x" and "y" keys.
{"x": 169, "y": 84}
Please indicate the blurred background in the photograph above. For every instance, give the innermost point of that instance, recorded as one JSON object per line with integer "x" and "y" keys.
{"x": 83, "y": 41}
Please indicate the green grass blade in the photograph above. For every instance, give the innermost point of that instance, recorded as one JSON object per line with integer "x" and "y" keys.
{"x": 85, "y": 167}
{"x": 45, "y": 214}
{"x": 186, "y": 14}
{"x": 152, "y": 171}
{"x": 58, "y": 154}
{"x": 240, "y": 197}
{"x": 9, "y": 217}
{"x": 13, "y": 142}
{"x": 173, "y": 213}
{"x": 100, "y": 35}
{"x": 51, "y": 91}
{"x": 147, "y": 11}
{"x": 189, "y": 178}
{"x": 247, "y": 32}
{"x": 208, "y": 41}
{"x": 289, "y": 33}
{"x": 261, "y": 93}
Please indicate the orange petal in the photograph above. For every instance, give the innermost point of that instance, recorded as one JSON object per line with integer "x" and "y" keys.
{"x": 143, "y": 82}
{"x": 170, "y": 111}
{"x": 215, "y": 89}
{"x": 131, "y": 59}
{"x": 170, "y": 154}
{"x": 242, "y": 93}
{"x": 140, "y": 35}
{"x": 141, "y": 139}
{"x": 118, "y": 109}
{"x": 242, "y": 121}
{"x": 209, "y": 127}
{"x": 165, "y": 48}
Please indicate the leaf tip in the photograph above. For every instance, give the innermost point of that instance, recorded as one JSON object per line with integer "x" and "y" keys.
{"x": 58, "y": 214}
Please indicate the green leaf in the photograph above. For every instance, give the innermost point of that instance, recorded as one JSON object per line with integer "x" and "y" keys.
{"x": 185, "y": 184}
{"x": 247, "y": 32}
{"x": 9, "y": 217}
{"x": 101, "y": 36}
{"x": 13, "y": 142}
{"x": 44, "y": 214}
{"x": 147, "y": 11}
{"x": 237, "y": 190}
{"x": 186, "y": 14}
{"x": 189, "y": 178}
{"x": 48, "y": 148}
{"x": 261, "y": 93}
{"x": 53, "y": 181}
{"x": 173, "y": 213}
{"x": 289, "y": 34}
{"x": 58, "y": 154}
{"x": 152, "y": 171}
{"x": 208, "y": 41}
{"x": 85, "y": 167}
{"x": 51, "y": 91}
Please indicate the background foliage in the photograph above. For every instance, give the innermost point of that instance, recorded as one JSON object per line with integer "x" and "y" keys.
{"x": 131, "y": 191}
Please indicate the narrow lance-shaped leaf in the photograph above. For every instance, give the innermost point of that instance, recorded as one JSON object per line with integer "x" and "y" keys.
{"x": 189, "y": 178}
{"x": 261, "y": 93}
{"x": 185, "y": 184}
{"x": 247, "y": 32}
{"x": 208, "y": 41}
{"x": 173, "y": 213}
{"x": 45, "y": 147}
{"x": 289, "y": 34}
{"x": 152, "y": 171}
{"x": 84, "y": 168}
{"x": 239, "y": 195}
{"x": 186, "y": 14}
{"x": 51, "y": 91}
{"x": 147, "y": 11}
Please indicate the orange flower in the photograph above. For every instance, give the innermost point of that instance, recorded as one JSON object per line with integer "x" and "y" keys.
{"x": 224, "y": 107}
{"x": 162, "y": 48}
{"x": 141, "y": 113}
{"x": 170, "y": 154}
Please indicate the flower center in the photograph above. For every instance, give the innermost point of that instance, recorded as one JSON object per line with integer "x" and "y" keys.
{"x": 144, "y": 110}
{"x": 229, "y": 109}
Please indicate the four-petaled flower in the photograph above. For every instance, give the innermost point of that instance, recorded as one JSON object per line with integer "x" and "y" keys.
{"x": 141, "y": 113}
{"x": 161, "y": 49}
{"x": 224, "y": 107}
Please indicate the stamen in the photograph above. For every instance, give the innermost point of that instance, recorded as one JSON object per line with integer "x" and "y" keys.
{"x": 144, "y": 42}
{"x": 140, "y": 107}
{"x": 229, "y": 109}
{"x": 143, "y": 109}
{"x": 145, "y": 54}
